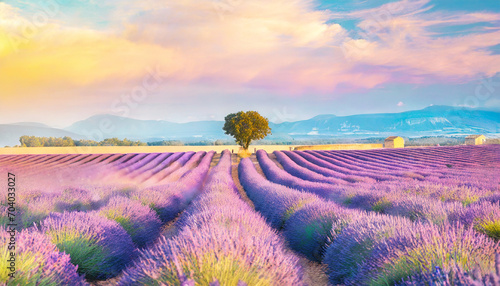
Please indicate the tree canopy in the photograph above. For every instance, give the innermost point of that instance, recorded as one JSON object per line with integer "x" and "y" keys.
{"x": 246, "y": 127}
{"x": 34, "y": 141}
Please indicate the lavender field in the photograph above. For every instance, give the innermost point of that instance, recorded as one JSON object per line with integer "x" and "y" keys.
{"x": 414, "y": 216}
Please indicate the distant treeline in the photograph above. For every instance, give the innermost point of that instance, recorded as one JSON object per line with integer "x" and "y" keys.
{"x": 444, "y": 141}
{"x": 34, "y": 141}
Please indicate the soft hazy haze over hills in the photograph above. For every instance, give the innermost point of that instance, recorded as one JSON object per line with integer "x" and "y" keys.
{"x": 433, "y": 120}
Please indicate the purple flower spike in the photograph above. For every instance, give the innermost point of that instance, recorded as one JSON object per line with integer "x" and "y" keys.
{"x": 100, "y": 247}
{"x": 43, "y": 263}
{"x": 140, "y": 222}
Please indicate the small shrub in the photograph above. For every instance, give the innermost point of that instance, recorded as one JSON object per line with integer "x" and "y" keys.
{"x": 484, "y": 217}
{"x": 423, "y": 246}
{"x": 381, "y": 205}
{"x": 100, "y": 247}
{"x": 140, "y": 222}
{"x": 313, "y": 227}
{"x": 355, "y": 244}
{"x": 38, "y": 261}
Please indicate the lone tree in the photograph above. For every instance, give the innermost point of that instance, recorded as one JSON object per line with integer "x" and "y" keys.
{"x": 246, "y": 126}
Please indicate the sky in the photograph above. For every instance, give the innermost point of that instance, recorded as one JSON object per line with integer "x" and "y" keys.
{"x": 187, "y": 60}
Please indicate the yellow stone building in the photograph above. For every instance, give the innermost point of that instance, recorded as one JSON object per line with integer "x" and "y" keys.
{"x": 475, "y": 139}
{"x": 394, "y": 142}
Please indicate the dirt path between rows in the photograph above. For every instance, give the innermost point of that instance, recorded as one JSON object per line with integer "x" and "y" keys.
{"x": 315, "y": 273}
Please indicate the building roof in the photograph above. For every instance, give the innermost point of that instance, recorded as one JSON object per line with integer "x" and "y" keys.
{"x": 392, "y": 137}
{"x": 473, "y": 136}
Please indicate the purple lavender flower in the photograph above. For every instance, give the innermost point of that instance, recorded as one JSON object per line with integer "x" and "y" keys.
{"x": 419, "y": 248}
{"x": 275, "y": 202}
{"x": 170, "y": 199}
{"x": 140, "y": 222}
{"x": 368, "y": 200}
{"x": 4, "y": 216}
{"x": 221, "y": 241}
{"x": 280, "y": 176}
{"x": 38, "y": 261}
{"x": 455, "y": 276}
{"x": 98, "y": 246}
{"x": 166, "y": 204}
{"x": 495, "y": 198}
{"x": 311, "y": 229}
{"x": 74, "y": 199}
{"x": 355, "y": 244}
{"x": 419, "y": 209}
{"x": 483, "y": 217}
{"x": 36, "y": 210}
{"x": 209, "y": 253}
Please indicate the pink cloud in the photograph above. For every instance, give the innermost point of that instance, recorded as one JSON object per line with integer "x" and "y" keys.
{"x": 287, "y": 45}
{"x": 284, "y": 46}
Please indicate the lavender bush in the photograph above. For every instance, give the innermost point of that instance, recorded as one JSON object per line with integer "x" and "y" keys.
{"x": 484, "y": 217}
{"x": 275, "y": 202}
{"x": 98, "y": 246}
{"x": 74, "y": 199}
{"x": 455, "y": 276}
{"x": 413, "y": 250}
{"x": 356, "y": 242}
{"x": 4, "y": 216}
{"x": 312, "y": 228}
{"x": 419, "y": 209}
{"x": 279, "y": 176}
{"x": 140, "y": 222}
{"x": 38, "y": 261}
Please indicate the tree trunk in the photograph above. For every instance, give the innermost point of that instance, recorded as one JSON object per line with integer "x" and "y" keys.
{"x": 246, "y": 145}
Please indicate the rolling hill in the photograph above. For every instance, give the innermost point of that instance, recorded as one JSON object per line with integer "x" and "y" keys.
{"x": 10, "y": 133}
{"x": 430, "y": 121}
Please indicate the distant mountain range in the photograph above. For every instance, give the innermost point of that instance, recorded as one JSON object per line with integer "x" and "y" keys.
{"x": 10, "y": 133}
{"x": 433, "y": 120}
{"x": 430, "y": 121}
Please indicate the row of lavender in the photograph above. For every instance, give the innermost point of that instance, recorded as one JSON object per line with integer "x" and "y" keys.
{"x": 139, "y": 167}
{"x": 367, "y": 248}
{"x": 220, "y": 241}
{"x": 121, "y": 174}
{"x": 361, "y": 167}
{"x": 431, "y": 156}
{"x": 40, "y": 195}
{"x": 483, "y": 213}
{"x": 98, "y": 229}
